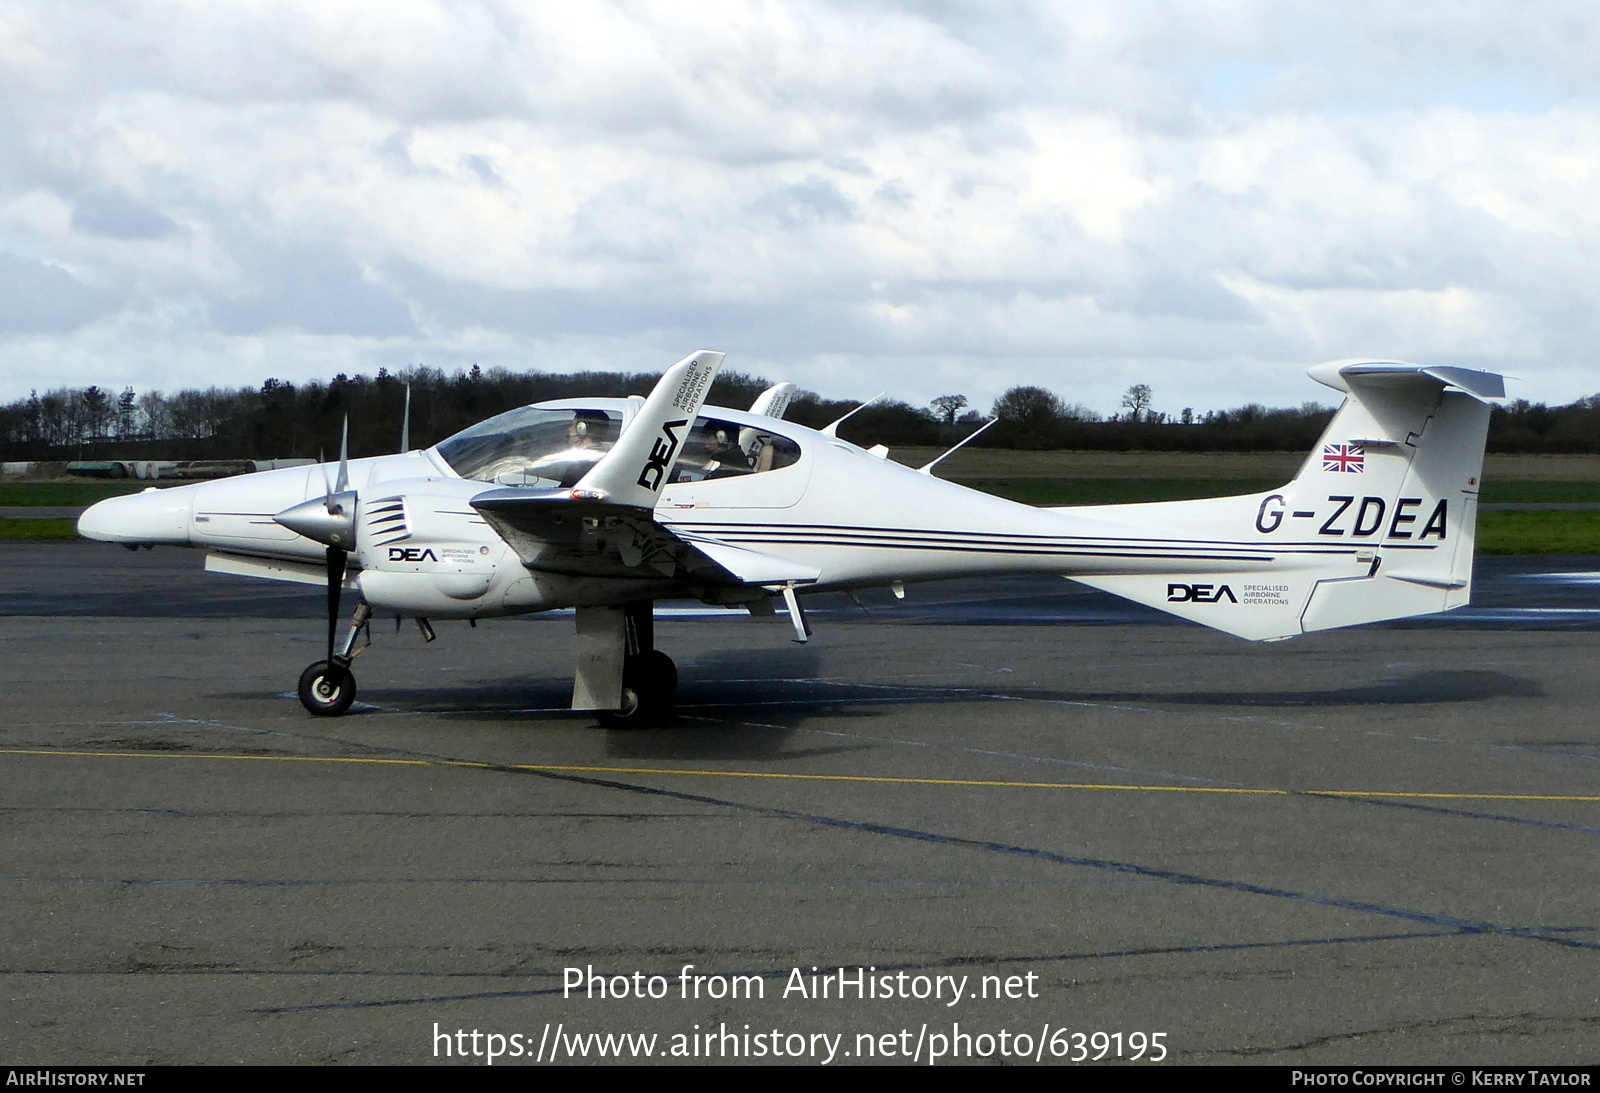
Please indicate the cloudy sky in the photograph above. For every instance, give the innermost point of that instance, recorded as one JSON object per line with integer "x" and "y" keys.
{"x": 925, "y": 197}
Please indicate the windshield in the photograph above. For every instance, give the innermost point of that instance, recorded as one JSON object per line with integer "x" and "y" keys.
{"x": 532, "y": 447}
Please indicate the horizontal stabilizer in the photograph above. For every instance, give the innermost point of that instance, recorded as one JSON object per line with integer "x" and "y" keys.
{"x": 1341, "y": 375}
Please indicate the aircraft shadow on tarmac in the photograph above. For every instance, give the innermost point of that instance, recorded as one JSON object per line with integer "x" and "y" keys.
{"x": 1419, "y": 688}
{"x": 745, "y": 705}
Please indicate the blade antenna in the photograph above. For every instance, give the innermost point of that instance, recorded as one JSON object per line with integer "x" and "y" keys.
{"x": 833, "y": 429}
{"x": 927, "y": 468}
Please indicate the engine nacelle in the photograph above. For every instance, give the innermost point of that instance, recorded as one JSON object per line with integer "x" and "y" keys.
{"x": 425, "y": 551}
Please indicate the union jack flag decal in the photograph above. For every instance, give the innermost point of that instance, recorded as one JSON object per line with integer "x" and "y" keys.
{"x": 1343, "y": 458}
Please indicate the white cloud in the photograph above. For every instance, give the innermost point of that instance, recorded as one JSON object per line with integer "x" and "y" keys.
{"x": 1204, "y": 198}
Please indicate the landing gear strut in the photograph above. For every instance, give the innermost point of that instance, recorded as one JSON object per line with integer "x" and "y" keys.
{"x": 649, "y": 678}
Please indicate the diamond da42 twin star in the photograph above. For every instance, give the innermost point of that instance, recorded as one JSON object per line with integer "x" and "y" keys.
{"x": 609, "y": 505}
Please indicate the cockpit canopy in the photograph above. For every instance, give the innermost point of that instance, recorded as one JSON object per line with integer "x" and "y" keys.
{"x": 533, "y": 446}
{"x": 552, "y": 447}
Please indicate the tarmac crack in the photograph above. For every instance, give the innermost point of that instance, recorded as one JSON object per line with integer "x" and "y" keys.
{"x": 1465, "y": 926}
{"x": 920, "y": 966}
{"x": 1176, "y": 877}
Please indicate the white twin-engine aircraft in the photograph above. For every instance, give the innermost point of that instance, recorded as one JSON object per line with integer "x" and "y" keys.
{"x": 608, "y": 505}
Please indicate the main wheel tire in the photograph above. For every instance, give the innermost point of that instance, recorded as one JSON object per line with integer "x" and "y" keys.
{"x": 634, "y": 714}
{"x": 327, "y": 691}
{"x": 656, "y": 674}
{"x": 649, "y": 680}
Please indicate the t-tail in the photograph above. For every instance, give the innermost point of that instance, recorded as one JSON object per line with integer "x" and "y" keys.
{"x": 1379, "y": 523}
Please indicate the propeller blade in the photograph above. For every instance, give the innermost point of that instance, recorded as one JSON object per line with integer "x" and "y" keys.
{"x": 336, "y": 562}
{"x": 343, "y": 482}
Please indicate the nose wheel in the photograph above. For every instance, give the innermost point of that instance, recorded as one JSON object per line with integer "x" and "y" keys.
{"x": 327, "y": 690}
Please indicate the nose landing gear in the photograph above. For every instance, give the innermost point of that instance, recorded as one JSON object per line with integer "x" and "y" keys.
{"x": 327, "y": 688}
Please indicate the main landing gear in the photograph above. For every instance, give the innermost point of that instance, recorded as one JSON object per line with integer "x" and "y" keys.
{"x": 649, "y": 679}
{"x": 621, "y": 675}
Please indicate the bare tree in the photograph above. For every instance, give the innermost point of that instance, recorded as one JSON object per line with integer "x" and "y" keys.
{"x": 156, "y": 410}
{"x": 948, "y": 406}
{"x": 199, "y": 414}
{"x": 1137, "y": 402}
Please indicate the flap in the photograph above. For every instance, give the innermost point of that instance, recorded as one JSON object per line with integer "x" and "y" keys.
{"x": 752, "y": 566}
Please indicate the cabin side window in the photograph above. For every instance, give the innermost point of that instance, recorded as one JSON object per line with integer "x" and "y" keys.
{"x": 719, "y": 449}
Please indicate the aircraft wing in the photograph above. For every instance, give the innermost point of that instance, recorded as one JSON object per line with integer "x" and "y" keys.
{"x": 555, "y": 532}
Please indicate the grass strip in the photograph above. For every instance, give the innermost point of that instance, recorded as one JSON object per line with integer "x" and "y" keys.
{"x": 38, "y": 530}
{"x": 1113, "y": 491}
{"x": 1119, "y": 491}
{"x": 1539, "y": 493}
{"x": 64, "y": 494}
{"x": 1539, "y": 533}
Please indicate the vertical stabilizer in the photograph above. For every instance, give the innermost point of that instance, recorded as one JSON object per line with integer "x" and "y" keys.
{"x": 1378, "y": 524}
{"x": 1418, "y": 510}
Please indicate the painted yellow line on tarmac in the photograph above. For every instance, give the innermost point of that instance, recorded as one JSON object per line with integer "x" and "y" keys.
{"x": 772, "y": 776}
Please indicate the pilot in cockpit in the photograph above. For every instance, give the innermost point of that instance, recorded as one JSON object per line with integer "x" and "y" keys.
{"x": 722, "y": 455}
{"x": 588, "y": 438}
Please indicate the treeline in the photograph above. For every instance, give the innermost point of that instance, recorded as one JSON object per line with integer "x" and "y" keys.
{"x": 281, "y": 419}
